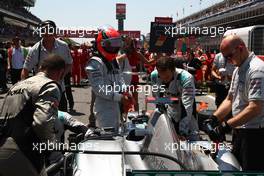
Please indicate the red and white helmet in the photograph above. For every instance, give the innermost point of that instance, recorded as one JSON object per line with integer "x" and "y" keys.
{"x": 108, "y": 43}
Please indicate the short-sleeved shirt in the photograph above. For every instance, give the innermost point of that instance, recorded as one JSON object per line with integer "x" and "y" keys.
{"x": 17, "y": 57}
{"x": 34, "y": 59}
{"x": 220, "y": 62}
{"x": 248, "y": 85}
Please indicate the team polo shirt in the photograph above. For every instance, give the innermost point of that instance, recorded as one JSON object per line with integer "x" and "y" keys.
{"x": 248, "y": 85}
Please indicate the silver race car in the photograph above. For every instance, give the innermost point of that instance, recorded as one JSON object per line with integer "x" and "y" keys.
{"x": 146, "y": 142}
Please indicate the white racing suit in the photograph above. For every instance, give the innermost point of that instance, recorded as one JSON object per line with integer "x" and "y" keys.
{"x": 27, "y": 121}
{"x": 108, "y": 85}
{"x": 182, "y": 86}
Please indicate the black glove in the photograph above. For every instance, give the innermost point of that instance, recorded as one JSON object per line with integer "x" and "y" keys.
{"x": 223, "y": 128}
{"x": 75, "y": 138}
{"x": 213, "y": 121}
{"x": 218, "y": 133}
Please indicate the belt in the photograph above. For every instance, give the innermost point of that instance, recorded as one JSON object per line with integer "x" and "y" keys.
{"x": 257, "y": 126}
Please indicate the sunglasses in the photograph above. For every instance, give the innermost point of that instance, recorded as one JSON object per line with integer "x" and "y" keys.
{"x": 231, "y": 55}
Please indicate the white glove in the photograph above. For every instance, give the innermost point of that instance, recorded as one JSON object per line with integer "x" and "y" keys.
{"x": 89, "y": 133}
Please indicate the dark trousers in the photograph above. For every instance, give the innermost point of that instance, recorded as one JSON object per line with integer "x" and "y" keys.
{"x": 63, "y": 103}
{"x": 3, "y": 80}
{"x": 15, "y": 75}
{"x": 68, "y": 90}
{"x": 221, "y": 92}
{"x": 92, "y": 118}
{"x": 248, "y": 148}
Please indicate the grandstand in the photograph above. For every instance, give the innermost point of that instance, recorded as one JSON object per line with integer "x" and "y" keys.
{"x": 16, "y": 19}
{"x": 227, "y": 13}
{"x": 234, "y": 13}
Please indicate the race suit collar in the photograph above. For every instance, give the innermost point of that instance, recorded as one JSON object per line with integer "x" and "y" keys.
{"x": 42, "y": 74}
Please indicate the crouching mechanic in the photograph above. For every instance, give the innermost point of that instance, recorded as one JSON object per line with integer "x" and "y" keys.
{"x": 27, "y": 119}
{"x": 178, "y": 83}
{"x": 106, "y": 80}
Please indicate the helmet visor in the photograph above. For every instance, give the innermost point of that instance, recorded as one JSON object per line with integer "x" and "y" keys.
{"x": 112, "y": 45}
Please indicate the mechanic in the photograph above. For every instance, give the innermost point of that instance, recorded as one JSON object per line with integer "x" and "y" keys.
{"x": 27, "y": 118}
{"x": 178, "y": 83}
{"x": 222, "y": 74}
{"x": 245, "y": 99}
{"x": 106, "y": 80}
{"x": 63, "y": 122}
{"x": 48, "y": 45}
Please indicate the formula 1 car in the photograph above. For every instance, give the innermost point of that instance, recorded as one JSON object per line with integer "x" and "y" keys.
{"x": 146, "y": 142}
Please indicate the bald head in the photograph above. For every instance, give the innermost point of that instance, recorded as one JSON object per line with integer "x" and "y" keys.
{"x": 231, "y": 42}
{"x": 234, "y": 49}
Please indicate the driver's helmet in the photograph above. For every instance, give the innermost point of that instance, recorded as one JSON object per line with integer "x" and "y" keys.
{"x": 108, "y": 42}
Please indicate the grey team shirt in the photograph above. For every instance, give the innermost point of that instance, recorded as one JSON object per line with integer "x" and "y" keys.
{"x": 248, "y": 85}
{"x": 33, "y": 60}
